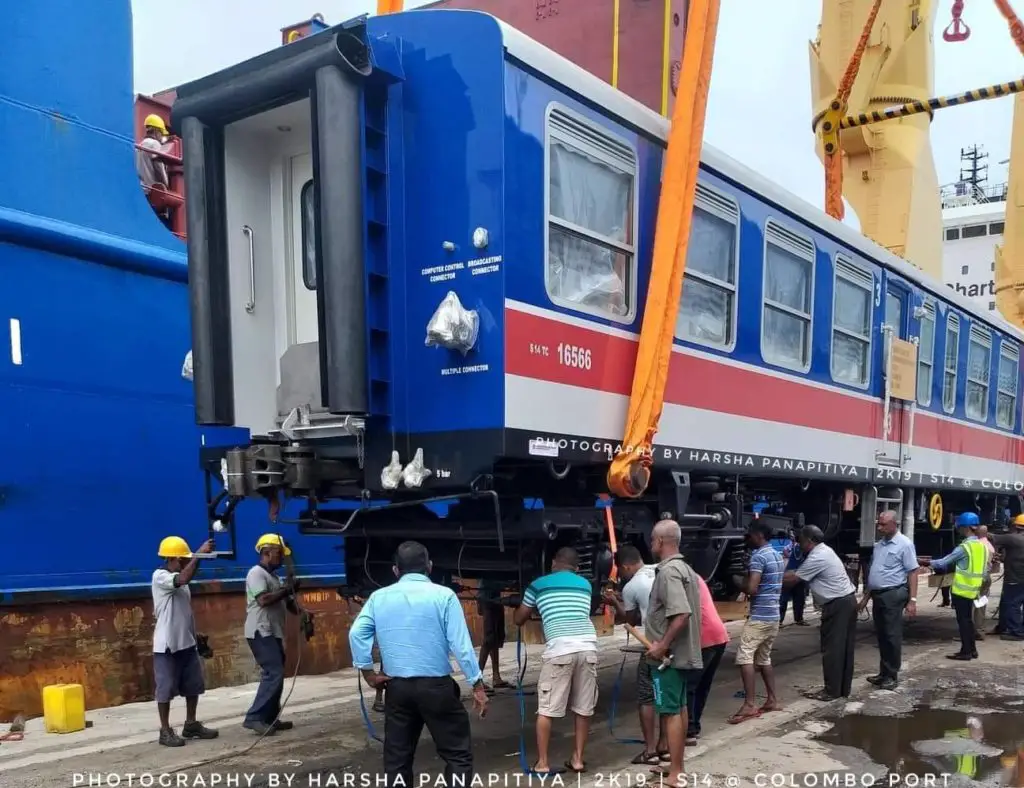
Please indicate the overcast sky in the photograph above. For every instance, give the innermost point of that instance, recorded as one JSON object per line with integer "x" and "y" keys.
{"x": 761, "y": 71}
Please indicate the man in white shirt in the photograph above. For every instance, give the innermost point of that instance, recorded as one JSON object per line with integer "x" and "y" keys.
{"x": 176, "y": 666}
{"x": 638, "y": 578}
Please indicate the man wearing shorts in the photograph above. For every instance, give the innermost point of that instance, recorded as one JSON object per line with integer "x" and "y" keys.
{"x": 631, "y": 608}
{"x": 763, "y": 588}
{"x": 176, "y": 667}
{"x": 673, "y": 630}
{"x": 568, "y": 674}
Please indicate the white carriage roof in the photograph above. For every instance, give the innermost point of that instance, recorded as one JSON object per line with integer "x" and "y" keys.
{"x": 549, "y": 63}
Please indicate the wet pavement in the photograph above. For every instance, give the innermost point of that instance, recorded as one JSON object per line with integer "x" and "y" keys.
{"x": 899, "y": 737}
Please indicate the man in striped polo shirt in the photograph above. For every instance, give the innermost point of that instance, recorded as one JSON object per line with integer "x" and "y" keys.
{"x": 568, "y": 675}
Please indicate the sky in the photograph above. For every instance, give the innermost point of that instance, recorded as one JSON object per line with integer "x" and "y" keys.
{"x": 761, "y": 71}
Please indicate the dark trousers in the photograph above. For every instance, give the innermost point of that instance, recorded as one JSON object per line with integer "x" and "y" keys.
{"x": 697, "y": 691}
{"x": 798, "y": 594}
{"x": 838, "y": 630}
{"x": 269, "y": 654}
{"x": 964, "y": 609}
{"x": 945, "y": 595}
{"x": 887, "y": 610}
{"x": 1011, "y": 609}
{"x": 409, "y": 704}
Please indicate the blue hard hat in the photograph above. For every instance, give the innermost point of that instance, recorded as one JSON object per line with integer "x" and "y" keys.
{"x": 967, "y": 520}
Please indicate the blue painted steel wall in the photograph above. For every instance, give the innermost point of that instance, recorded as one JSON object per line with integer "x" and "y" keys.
{"x": 100, "y": 449}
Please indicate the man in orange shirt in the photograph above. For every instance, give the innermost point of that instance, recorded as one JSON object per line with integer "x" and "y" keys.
{"x": 713, "y": 640}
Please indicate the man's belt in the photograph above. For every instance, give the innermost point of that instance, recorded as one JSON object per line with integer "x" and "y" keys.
{"x": 877, "y": 591}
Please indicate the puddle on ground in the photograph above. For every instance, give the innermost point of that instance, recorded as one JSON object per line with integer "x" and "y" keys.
{"x": 937, "y": 740}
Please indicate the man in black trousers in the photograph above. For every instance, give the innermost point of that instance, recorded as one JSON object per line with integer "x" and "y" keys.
{"x": 417, "y": 624}
{"x": 891, "y": 588}
{"x": 836, "y": 597}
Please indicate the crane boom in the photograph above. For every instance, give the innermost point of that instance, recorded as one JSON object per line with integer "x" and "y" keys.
{"x": 890, "y": 179}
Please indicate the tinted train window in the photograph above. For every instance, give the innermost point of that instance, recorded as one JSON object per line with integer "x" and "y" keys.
{"x": 308, "y": 230}
{"x": 787, "y": 295}
{"x": 707, "y": 311}
{"x": 979, "y": 366}
{"x": 591, "y": 194}
{"x": 996, "y": 228}
{"x": 952, "y": 234}
{"x": 950, "y": 360}
{"x": 1006, "y": 385}
{"x": 975, "y": 231}
{"x": 926, "y": 356}
{"x": 851, "y": 324}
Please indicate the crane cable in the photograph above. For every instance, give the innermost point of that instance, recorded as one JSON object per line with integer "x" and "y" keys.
{"x": 832, "y": 117}
{"x": 629, "y": 472}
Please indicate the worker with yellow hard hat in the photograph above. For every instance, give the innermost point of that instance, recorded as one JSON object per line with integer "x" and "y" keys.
{"x": 267, "y": 600}
{"x": 152, "y": 171}
{"x": 176, "y": 667}
{"x": 1011, "y": 602}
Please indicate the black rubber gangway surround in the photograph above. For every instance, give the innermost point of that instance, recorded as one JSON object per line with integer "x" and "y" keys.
{"x": 328, "y": 68}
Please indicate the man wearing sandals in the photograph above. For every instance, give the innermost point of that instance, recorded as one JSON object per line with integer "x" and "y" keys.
{"x": 673, "y": 630}
{"x": 763, "y": 588}
{"x": 568, "y": 673}
{"x": 631, "y": 608}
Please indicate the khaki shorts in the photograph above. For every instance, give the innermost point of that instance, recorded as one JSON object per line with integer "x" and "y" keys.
{"x": 569, "y": 681}
{"x": 756, "y": 643}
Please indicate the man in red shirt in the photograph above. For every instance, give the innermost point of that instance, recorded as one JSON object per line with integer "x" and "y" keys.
{"x": 713, "y": 640}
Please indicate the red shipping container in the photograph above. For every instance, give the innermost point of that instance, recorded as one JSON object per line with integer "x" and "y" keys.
{"x": 649, "y": 35}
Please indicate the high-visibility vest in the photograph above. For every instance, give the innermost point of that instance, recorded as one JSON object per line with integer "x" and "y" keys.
{"x": 967, "y": 582}
{"x": 966, "y": 765}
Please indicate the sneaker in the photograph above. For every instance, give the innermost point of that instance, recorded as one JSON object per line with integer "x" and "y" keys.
{"x": 283, "y": 725}
{"x": 259, "y": 727}
{"x": 168, "y": 738}
{"x": 196, "y": 730}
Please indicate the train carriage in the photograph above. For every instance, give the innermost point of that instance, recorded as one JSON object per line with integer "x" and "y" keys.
{"x": 419, "y": 247}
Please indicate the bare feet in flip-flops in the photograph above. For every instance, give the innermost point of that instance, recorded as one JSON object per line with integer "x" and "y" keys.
{"x": 770, "y": 707}
{"x": 646, "y": 759}
{"x": 546, "y": 772}
{"x": 576, "y": 769}
{"x": 745, "y": 713}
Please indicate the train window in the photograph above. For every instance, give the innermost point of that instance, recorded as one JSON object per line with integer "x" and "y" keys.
{"x": 953, "y": 234}
{"x": 926, "y": 356}
{"x": 975, "y": 231}
{"x": 996, "y": 228}
{"x": 979, "y": 368}
{"x": 591, "y": 195}
{"x": 1006, "y": 385}
{"x": 786, "y": 298}
{"x": 950, "y": 359}
{"x": 308, "y": 230}
{"x": 707, "y": 312}
{"x": 851, "y": 324}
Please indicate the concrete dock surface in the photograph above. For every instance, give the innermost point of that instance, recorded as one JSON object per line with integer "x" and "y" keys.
{"x": 329, "y": 744}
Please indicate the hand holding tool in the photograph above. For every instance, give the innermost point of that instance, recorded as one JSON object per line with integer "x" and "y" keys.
{"x": 647, "y": 644}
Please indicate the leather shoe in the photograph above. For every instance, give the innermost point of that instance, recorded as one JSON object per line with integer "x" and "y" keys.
{"x": 876, "y": 679}
{"x": 960, "y": 657}
{"x": 887, "y": 684}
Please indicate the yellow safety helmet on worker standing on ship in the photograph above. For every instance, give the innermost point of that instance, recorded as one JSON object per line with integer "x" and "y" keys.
{"x": 155, "y": 122}
{"x": 1018, "y": 521}
{"x": 174, "y": 547}
{"x": 272, "y": 540}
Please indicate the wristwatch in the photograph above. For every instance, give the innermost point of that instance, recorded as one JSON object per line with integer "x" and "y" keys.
{"x": 913, "y": 599}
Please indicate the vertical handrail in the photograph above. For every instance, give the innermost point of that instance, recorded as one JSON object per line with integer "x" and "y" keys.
{"x": 251, "y": 306}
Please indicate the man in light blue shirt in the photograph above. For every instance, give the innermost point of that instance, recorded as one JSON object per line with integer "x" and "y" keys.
{"x": 418, "y": 624}
{"x": 891, "y": 588}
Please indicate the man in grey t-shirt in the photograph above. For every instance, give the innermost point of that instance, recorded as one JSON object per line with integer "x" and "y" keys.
{"x": 835, "y": 596}
{"x": 176, "y": 667}
{"x": 267, "y": 599}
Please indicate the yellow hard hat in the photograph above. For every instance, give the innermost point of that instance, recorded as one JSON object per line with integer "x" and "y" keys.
{"x": 174, "y": 547}
{"x": 272, "y": 539}
{"x": 1019, "y": 520}
{"x": 155, "y": 122}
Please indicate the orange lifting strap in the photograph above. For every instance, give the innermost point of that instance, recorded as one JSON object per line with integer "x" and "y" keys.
{"x": 830, "y": 124}
{"x": 630, "y": 470}
{"x": 389, "y": 6}
{"x": 1016, "y": 27}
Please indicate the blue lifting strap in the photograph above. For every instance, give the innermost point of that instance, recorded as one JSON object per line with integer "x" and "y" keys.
{"x": 613, "y": 706}
{"x": 366, "y": 714}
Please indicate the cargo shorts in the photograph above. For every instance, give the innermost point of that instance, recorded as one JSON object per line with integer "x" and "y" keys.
{"x": 756, "y": 643}
{"x": 568, "y": 682}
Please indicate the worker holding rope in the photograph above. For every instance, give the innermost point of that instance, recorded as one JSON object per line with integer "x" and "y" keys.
{"x": 417, "y": 624}
{"x": 268, "y": 601}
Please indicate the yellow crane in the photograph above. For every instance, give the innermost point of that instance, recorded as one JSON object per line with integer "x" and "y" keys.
{"x": 884, "y": 148}
{"x": 1009, "y": 276}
